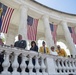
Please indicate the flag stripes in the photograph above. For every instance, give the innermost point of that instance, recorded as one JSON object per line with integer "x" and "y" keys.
{"x": 53, "y": 29}
{"x": 6, "y": 19}
{"x": 32, "y": 28}
{"x": 73, "y": 34}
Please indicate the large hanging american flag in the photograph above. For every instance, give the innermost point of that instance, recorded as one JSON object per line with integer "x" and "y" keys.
{"x": 5, "y": 16}
{"x": 53, "y": 29}
{"x": 32, "y": 28}
{"x": 73, "y": 34}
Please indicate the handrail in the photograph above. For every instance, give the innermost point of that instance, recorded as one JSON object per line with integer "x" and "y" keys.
{"x": 36, "y": 63}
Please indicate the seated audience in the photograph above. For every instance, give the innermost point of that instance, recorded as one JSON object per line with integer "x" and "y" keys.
{"x": 44, "y": 49}
{"x": 61, "y": 52}
{"x": 53, "y": 52}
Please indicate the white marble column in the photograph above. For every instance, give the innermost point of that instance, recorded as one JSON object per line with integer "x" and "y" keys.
{"x": 68, "y": 38}
{"x": 23, "y": 22}
{"x": 47, "y": 31}
{"x": 10, "y": 38}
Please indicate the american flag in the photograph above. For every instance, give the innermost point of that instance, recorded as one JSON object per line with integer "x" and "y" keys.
{"x": 32, "y": 28}
{"x": 73, "y": 34}
{"x": 53, "y": 29}
{"x": 5, "y": 17}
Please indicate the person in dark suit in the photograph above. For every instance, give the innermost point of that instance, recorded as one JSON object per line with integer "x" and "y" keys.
{"x": 20, "y": 44}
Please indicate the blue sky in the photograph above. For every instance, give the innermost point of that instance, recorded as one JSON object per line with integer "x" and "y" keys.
{"x": 68, "y": 6}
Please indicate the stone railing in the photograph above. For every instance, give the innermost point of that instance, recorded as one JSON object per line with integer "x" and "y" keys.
{"x": 65, "y": 66}
{"x": 33, "y": 63}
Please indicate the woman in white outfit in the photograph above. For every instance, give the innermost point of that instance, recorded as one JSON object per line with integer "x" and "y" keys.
{"x": 53, "y": 52}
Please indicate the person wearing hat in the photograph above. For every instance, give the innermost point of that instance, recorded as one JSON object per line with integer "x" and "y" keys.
{"x": 53, "y": 52}
{"x": 60, "y": 51}
{"x": 44, "y": 49}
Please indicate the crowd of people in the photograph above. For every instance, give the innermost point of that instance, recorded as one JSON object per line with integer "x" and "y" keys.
{"x": 23, "y": 44}
{"x": 43, "y": 49}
